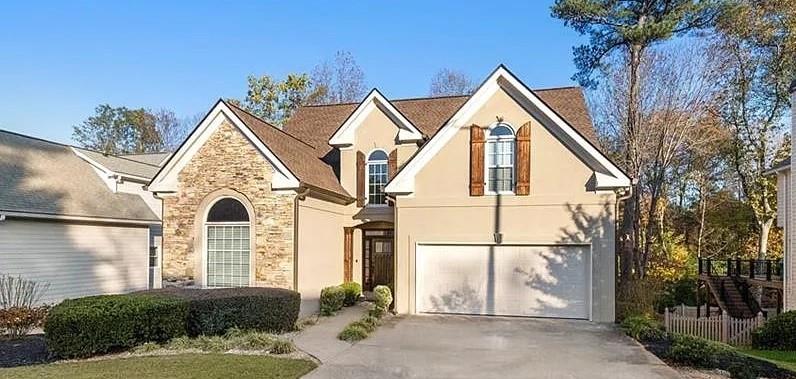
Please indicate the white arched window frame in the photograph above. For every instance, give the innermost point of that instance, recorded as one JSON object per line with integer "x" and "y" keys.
{"x": 500, "y": 160}
{"x": 228, "y": 249}
{"x": 376, "y": 178}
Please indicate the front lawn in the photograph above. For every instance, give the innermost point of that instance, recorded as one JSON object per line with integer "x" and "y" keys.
{"x": 173, "y": 366}
{"x": 784, "y": 359}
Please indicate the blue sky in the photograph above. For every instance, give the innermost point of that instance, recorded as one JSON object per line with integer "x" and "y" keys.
{"x": 58, "y": 60}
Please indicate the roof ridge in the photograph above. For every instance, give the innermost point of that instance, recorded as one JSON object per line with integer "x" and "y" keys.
{"x": 73, "y": 146}
{"x": 390, "y": 100}
{"x": 556, "y": 88}
{"x": 269, "y": 124}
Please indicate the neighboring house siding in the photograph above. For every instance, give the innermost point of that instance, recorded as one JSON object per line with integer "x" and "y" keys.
{"x": 228, "y": 162}
{"x": 320, "y": 246}
{"x": 790, "y": 251}
{"x": 561, "y": 209}
{"x": 77, "y": 259}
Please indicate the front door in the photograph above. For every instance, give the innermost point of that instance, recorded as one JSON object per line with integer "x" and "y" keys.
{"x": 377, "y": 253}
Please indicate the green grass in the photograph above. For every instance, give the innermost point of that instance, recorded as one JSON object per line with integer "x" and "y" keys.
{"x": 176, "y": 366}
{"x": 784, "y": 359}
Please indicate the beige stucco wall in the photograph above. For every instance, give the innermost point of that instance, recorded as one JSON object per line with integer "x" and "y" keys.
{"x": 560, "y": 209}
{"x": 228, "y": 164}
{"x": 320, "y": 246}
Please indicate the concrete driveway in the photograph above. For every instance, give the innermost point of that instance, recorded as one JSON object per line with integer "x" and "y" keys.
{"x": 493, "y": 347}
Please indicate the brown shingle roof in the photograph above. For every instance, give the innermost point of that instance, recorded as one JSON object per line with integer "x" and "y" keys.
{"x": 299, "y": 157}
{"x": 315, "y": 124}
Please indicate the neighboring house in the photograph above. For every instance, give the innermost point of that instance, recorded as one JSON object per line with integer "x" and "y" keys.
{"x": 498, "y": 203}
{"x": 76, "y": 219}
{"x": 785, "y": 217}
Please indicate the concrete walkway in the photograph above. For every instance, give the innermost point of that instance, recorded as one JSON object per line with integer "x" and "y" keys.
{"x": 493, "y": 347}
{"x": 320, "y": 340}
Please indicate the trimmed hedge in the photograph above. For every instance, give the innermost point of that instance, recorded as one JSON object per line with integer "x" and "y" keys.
{"x": 697, "y": 352}
{"x": 778, "y": 333}
{"x": 332, "y": 300}
{"x": 382, "y": 297}
{"x": 99, "y": 324}
{"x": 214, "y": 311}
{"x": 352, "y": 292}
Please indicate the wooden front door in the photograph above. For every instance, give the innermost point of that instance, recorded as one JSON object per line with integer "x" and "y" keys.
{"x": 377, "y": 253}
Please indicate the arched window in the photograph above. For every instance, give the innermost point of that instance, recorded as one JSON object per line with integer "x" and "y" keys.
{"x": 500, "y": 150}
{"x": 228, "y": 244}
{"x": 377, "y": 178}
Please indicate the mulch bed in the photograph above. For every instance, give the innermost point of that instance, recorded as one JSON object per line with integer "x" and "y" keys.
{"x": 764, "y": 368}
{"x": 24, "y": 351}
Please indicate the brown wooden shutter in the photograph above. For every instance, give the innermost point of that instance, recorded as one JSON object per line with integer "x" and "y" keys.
{"x": 523, "y": 164}
{"x": 348, "y": 254}
{"x": 392, "y": 164}
{"x": 361, "y": 179}
{"x": 392, "y": 168}
{"x": 476, "y": 161}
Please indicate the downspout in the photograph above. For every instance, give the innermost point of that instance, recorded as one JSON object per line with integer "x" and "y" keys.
{"x": 301, "y": 194}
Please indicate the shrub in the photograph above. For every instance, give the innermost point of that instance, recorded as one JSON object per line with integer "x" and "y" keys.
{"x": 643, "y": 328}
{"x": 214, "y": 311}
{"x": 281, "y": 346}
{"x": 637, "y": 297}
{"x": 16, "y": 322}
{"x": 20, "y": 310}
{"x": 98, "y": 324}
{"x": 352, "y": 292}
{"x": 778, "y": 333}
{"x": 697, "y": 352}
{"x": 353, "y": 333}
{"x": 332, "y": 300}
{"x": 382, "y": 297}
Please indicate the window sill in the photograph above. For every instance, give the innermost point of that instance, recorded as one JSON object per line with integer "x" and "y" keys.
{"x": 507, "y": 193}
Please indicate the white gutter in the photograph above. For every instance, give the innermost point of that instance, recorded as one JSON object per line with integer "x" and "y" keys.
{"x": 46, "y": 216}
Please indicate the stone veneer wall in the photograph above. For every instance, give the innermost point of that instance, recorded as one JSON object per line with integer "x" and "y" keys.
{"x": 228, "y": 160}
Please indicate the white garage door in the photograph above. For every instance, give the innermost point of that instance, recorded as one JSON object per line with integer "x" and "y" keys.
{"x": 524, "y": 280}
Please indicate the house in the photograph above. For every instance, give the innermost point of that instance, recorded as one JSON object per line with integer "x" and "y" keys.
{"x": 785, "y": 217}
{"x": 77, "y": 219}
{"x": 497, "y": 203}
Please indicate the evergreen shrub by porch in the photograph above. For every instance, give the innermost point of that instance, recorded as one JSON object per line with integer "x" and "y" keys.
{"x": 332, "y": 300}
{"x": 382, "y": 297}
{"x": 777, "y": 333}
{"x": 214, "y": 311}
{"x": 99, "y": 324}
{"x": 352, "y": 292}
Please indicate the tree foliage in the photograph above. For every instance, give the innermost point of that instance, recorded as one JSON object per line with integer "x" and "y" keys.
{"x": 448, "y": 82}
{"x": 275, "y": 100}
{"x": 339, "y": 80}
{"x": 121, "y": 130}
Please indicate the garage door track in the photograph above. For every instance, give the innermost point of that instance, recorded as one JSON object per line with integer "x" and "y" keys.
{"x": 494, "y": 347}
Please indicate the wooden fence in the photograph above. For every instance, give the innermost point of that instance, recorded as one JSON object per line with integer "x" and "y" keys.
{"x": 723, "y": 328}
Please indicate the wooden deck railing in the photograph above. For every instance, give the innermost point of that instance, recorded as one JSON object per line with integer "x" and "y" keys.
{"x": 759, "y": 269}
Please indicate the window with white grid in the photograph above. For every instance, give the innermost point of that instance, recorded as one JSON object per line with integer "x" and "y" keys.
{"x": 500, "y": 150}
{"x": 228, "y": 244}
{"x": 377, "y": 177}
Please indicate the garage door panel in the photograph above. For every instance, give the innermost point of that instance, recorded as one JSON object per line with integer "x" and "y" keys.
{"x": 544, "y": 281}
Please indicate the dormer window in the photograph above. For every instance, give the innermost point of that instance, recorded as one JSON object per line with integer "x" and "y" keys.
{"x": 500, "y": 158}
{"x": 377, "y": 177}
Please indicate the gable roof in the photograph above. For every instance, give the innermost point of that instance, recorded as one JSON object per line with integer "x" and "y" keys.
{"x": 47, "y": 178}
{"x": 120, "y": 164}
{"x": 374, "y": 101}
{"x": 606, "y": 174}
{"x": 301, "y": 158}
{"x": 295, "y": 161}
{"x": 155, "y": 159}
{"x": 315, "y": 124}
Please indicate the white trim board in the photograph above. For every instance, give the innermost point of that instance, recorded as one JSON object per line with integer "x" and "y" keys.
{"x": 166, "y": 178}
{"x": 606, "y": 174}
{"x": 346, "y": 133}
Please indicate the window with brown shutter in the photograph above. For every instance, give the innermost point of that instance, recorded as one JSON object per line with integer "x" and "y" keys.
{"x": 524, "y": 160}
{"x": 476, "y": 161}
{"x": 360, "y": 179}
